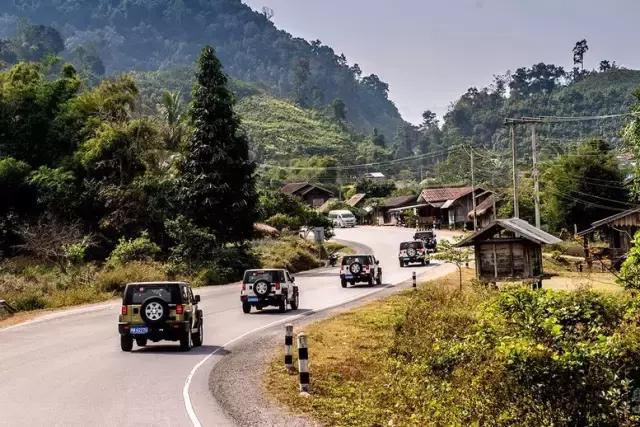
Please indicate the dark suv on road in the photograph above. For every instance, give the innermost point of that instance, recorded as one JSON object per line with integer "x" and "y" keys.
{"x": 360, "y": 268}
{"x": 429, "y": 239}
{"x": 160, "y": 311}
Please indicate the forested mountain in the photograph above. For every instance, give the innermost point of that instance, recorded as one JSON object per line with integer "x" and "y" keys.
{"x": 478, "y": 116}
{"x": 120, "y": 35}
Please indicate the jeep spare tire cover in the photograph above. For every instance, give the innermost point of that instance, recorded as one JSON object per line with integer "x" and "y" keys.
{"x": 262, "y": 288}
{"x": 154, "y": 310}
{"x": 411, "y": 252}
{"x": 355, "y": 268}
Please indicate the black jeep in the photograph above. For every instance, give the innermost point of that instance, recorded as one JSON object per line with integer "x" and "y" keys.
{"x": 429, "y": 239}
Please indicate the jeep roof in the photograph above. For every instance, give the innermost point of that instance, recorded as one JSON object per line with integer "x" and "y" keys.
{"x": 415, "y": 244}
{"x": 362, "y": 259}
{"x": 136, "y": 292}
{"x": 268, "y": 274}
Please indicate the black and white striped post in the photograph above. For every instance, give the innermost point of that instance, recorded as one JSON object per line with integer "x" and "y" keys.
{"x": 413, "y": 276}
{"x": 288, "y": 347}
{"x": 303, "y": 362}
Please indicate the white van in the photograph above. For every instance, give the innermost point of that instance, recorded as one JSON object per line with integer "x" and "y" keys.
{"x": 342, "y": 218}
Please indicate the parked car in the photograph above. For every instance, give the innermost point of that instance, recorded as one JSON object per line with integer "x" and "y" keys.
{"x": 360, "y": 268}
{"x": 342, "y": 218}
{"x": 429, "y": 239}
{"x": 160, "y": 311}
{"x": 413, "y": 252}
{"x": 269, "y": 287}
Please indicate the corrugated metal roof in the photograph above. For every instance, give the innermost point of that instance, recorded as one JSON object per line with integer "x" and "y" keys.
{"x": 293, "y": 187}
{"x": 445, "y": 193}
{"x": 617, "y": 216}
{"x": 395, "y": 202}
{"x": 483, "y": 207}
{"x": 355, "y": 199}
{"x": 515, "y": 225}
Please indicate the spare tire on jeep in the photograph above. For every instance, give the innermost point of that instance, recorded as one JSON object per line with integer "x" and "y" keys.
{"x": 262, "y": 288}
{"x": 154, "y": 310}
{"x": 355, "y": 268}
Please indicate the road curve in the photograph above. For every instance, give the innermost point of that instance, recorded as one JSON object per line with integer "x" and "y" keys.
{"x": 68, "y": 370}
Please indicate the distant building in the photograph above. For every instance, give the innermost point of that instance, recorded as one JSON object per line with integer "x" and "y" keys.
{"x": 452, "y": 206}
{"x": 356, "y": 199}
{"x": 618, "y": 230}
{"x": 388, "y": 212}
{"x": 313, "y": 195}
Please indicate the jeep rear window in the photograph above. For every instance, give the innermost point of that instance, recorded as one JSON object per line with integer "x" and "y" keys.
{"x": 137, "y": 294}
{"x": 269, "y": 276}
{"x": 413, "y": 245}
{"x": 364, "y": 260}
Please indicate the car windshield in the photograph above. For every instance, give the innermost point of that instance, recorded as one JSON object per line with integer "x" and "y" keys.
{"x": 137, "y": 294}
{"x": 348, "y": 216}
{"x": 411, "y": 245}
{"x": 362, "y": 259}
{"x": 271, "y": 276}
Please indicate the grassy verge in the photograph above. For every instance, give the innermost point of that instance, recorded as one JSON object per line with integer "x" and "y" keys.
{"x": 29, "y": 285}
{"x": 477, "y": 357}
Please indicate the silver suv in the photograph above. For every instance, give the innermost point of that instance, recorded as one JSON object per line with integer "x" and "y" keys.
{"x": 269, "y": 287}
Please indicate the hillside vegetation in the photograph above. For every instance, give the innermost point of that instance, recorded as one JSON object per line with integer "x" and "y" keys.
{"x": 283, "y": 131}
{"x": 115, "y": 36}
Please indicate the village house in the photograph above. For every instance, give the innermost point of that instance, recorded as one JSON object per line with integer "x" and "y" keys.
{"x": 451, "y": 206}
{"x": 311, "y": 194}
{"x": 618, "y": 230}
{"x": 388, "y": 212}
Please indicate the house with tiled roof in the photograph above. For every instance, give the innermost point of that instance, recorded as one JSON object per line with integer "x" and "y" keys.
{"x": 313, "y": 195}
{"x": 451, "y": 206}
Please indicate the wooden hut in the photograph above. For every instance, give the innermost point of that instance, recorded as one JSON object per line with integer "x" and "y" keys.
{"x": 509, "y": 250}
{"x": 617, "y": 230}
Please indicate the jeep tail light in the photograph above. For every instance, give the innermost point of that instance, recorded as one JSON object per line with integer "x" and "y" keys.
{"x": 179, "y": 309}
{"x": 277, "y": 286}
{"x": 244, "y": 286}
{"x": 124, "y": 310}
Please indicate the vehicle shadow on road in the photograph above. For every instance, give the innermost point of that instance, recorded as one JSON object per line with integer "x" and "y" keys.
{"x": 169, "y": 349}
{"x": 273, "y": 311}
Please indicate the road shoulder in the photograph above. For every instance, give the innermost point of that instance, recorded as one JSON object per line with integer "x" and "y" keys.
{"x": 236, "y": 381}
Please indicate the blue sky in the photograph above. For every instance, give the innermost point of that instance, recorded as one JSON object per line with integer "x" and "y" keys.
{"x": 430, "y": 52}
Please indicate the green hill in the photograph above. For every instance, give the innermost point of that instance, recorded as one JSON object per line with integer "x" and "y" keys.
{"x": 478, "y": 115}
{"x": 125, "y": 35}
{"x": 281, "y": 131}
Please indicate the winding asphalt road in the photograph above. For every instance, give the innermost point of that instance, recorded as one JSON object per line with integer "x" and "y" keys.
{"x": 66, "y": 369}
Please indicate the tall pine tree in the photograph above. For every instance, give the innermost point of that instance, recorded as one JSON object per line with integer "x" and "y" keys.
{"x": 217, "y": 186}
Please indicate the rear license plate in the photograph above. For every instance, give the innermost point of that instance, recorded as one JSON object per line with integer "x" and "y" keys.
{"x": 348, "y": 276}
{"x": 139, "y": 330}
{"x": 253, "y": 299}
{"x": 406, "y": 259}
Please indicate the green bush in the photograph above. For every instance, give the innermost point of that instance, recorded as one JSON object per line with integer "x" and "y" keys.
{"x": 138, "y": 249}
{"x": 292, "y": 253}
{"x": 114, "y": 279}
{"x": 282, "y": 221}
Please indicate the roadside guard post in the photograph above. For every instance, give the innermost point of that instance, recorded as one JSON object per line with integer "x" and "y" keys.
{"x": 303, "y": 362}
{"x": 413, "y": 276}
{"x": 288, "y": 347}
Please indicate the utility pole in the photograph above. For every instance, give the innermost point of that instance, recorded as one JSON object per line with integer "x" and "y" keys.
{"x": 536, "y": 186}
{"x": 516, "y": 210}
{"x": 473, "y": 193}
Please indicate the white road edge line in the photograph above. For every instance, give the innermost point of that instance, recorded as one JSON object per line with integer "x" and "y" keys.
{"x": 185, "y": 390}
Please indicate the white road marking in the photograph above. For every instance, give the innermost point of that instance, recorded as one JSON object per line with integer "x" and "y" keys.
{"x": 185, "y": 389}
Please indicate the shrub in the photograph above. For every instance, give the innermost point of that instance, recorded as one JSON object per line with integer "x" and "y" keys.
{"x": 138, "y": 249}
{"x": 630, "y": 271}
{"x": 293, "y": 253}
{"x": 113, "y": 280}
{"x": 282, "y": 221}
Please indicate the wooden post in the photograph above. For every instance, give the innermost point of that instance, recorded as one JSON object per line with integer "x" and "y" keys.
{"x": 516, "y": 210}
